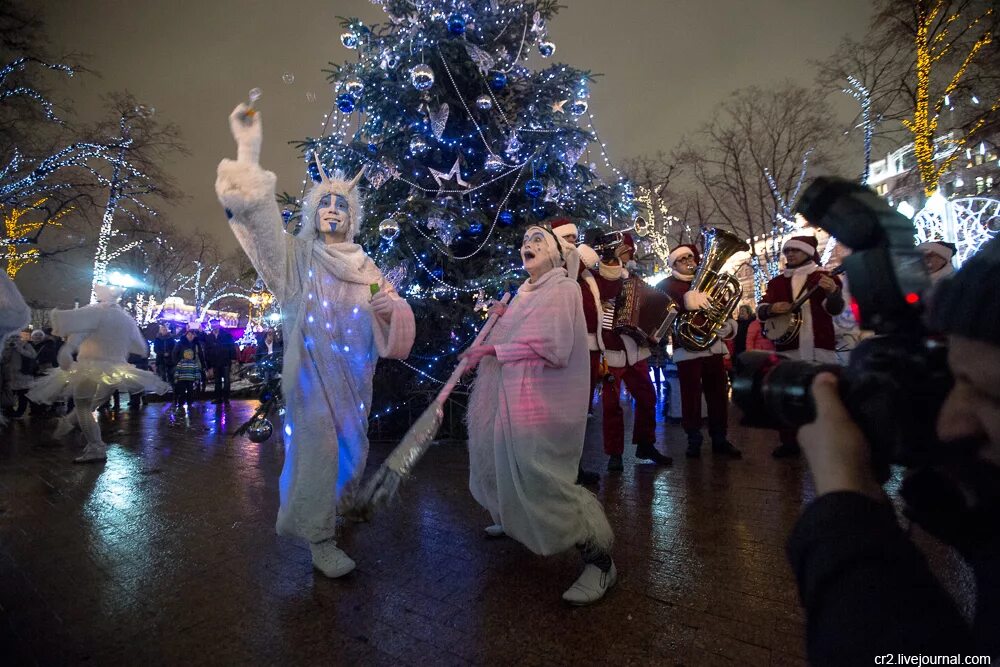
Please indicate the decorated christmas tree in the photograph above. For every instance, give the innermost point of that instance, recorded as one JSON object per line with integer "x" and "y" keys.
{"x": 463, "y": 146}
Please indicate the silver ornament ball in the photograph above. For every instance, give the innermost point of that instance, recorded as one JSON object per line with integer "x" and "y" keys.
{"x": 354, "y": 86}
{"x": 493, "y": 163}
{"x": 260, "y": 430}
{"x": 484, "y": 102}
{"x": 388, "y": 229}
{"x": 579, "y": 107}
{"x": 422, "y": 77}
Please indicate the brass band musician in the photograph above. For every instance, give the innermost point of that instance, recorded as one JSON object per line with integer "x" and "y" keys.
{"x": 699, "y": 369}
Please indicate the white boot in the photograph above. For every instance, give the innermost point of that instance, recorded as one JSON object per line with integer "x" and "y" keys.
{"x": 591, "y": 586}
{"x": 330, "y": 560}
{"x": 496, "y": 530}
{"x": 93, "y": 454}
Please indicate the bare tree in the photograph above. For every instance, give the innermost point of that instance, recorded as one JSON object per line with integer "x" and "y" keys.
{"x": 133, "y": 180}
{"x": 746, "y": 164}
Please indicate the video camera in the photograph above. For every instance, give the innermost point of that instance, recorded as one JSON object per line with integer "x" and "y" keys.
{"x": 896, "y": 382}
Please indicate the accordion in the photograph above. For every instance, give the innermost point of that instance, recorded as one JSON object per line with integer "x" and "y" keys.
{"x": 640, "y": 312}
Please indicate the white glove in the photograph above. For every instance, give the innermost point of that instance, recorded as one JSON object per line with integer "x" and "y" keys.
{"x": 245, "y": 125}
{"x": 694, "y": 300}
{"x": 382, "y": 305}
{"x": 65, "y": 357}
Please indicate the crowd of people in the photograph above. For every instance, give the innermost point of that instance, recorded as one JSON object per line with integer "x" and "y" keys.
{"x": 209, "y": 361}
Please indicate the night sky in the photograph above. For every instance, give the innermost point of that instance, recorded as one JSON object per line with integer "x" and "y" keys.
{"x": 665, "y": 65}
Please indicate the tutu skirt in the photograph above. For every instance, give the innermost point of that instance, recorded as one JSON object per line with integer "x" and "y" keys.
{"x": 96, "y": 380}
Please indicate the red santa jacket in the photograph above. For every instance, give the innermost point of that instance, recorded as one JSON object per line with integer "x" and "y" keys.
{"x": 779, "y": 289}
{"x": 609, "y": 291}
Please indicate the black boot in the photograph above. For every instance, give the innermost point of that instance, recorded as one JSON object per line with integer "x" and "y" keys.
{"x": 650, "y": 453}
{"x": 694, "y": 444}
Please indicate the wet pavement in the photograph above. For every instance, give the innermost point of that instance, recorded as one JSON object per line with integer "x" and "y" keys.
{"x": 167, "y": 555}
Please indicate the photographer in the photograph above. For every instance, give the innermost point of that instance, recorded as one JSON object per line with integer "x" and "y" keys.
{"x": 866, "y": 588}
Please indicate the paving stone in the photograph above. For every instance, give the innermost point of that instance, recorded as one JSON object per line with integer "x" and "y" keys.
{"x": 167, "y": 555}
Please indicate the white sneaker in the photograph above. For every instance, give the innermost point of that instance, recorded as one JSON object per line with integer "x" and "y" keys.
{"x": 496, "y": 530}
{"x": 93, "y": 454}
{"x": 63, "y": 428}
{"x": 330, "y": 559}
{"x": 591, "y": 586}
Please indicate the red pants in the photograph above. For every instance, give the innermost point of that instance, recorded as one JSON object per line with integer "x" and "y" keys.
{"x": 636, "y": 379}
{"x": 706, "y": 373}
{"x": 595, "y": 374}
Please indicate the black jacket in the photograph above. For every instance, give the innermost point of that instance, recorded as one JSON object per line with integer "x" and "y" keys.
{"x": 868, "y": 591}
{"x": 220, "y": 350}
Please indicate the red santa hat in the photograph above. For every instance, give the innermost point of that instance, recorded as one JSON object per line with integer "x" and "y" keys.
{"x": 563, "y": 227}
{"x": 681, "y": 251}
{"x": 942, "y": 249}
{"x": 806, "y": 244}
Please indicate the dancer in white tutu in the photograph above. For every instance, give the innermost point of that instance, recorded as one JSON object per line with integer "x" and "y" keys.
{"x": 102, "y": 335}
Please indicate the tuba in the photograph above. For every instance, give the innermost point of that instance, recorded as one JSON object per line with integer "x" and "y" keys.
{"x": 697, "y": 330}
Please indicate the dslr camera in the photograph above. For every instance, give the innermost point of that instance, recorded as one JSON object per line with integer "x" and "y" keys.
{"x": 897, "y": 380}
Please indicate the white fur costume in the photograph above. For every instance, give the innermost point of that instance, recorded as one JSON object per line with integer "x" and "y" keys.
{"x": 102, "y": 335}
{"x": 528, "y": 416}
{"x": 333, "y": 340}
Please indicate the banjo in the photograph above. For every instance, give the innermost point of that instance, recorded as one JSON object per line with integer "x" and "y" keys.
{"x": 782, "y": 329}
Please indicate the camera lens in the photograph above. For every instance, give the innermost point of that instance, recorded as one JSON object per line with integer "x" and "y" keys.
{"x": 774, "y": 392}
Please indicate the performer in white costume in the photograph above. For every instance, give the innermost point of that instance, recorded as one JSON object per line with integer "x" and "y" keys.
{"x": 14, "y": 312}
{"x": 528, "y": 415}
{"x": 334, "y": 333}
{"x": 103, "y": 336}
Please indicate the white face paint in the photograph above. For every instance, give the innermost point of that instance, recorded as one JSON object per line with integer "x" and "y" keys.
{"x": 535, "y": 252}
{"x": 332, "y": 215}
{"x": 569, "y": 237}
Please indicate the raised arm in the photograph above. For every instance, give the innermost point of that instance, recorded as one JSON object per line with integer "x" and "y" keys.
{"x": 77, "y": 321}
{"x": 393, "y": 323}
{"x": 246, "y": 192}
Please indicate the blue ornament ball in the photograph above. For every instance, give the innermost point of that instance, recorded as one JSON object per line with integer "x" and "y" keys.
{"x": 506, "y": 218}
{"x": 546, "y": 49}
{"x": 541, "y": 167}
{"x": 349, "y": 39}
{"x": 313, "y": 172}
{"x": 456, "y": 24}
{"x": 534, "y": 188}
{"x": 345, "y": 103}
{"x": 372, "y": 148}
{"x": 286, "y": 214}
{"x": 578, "y": 107}
{"x": 498, "y": 80}
{"x": 475, "y": 228}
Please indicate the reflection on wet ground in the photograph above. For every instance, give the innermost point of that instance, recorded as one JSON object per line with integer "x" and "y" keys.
{"x": 167, "y": 554}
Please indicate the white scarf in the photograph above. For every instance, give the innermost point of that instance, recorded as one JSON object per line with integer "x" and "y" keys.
{"x": 807, "y": 340}
{"x": 607, "y": 272}
{"x": 347, "y": 261}
{"x": 682, "y": 276}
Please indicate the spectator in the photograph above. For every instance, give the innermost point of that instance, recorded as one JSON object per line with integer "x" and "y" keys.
{"x": 186, "y": 373}
{"x": 20, "y": 364}
{"x": 220, "y": 352}
{"x": 163, "y": 349}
